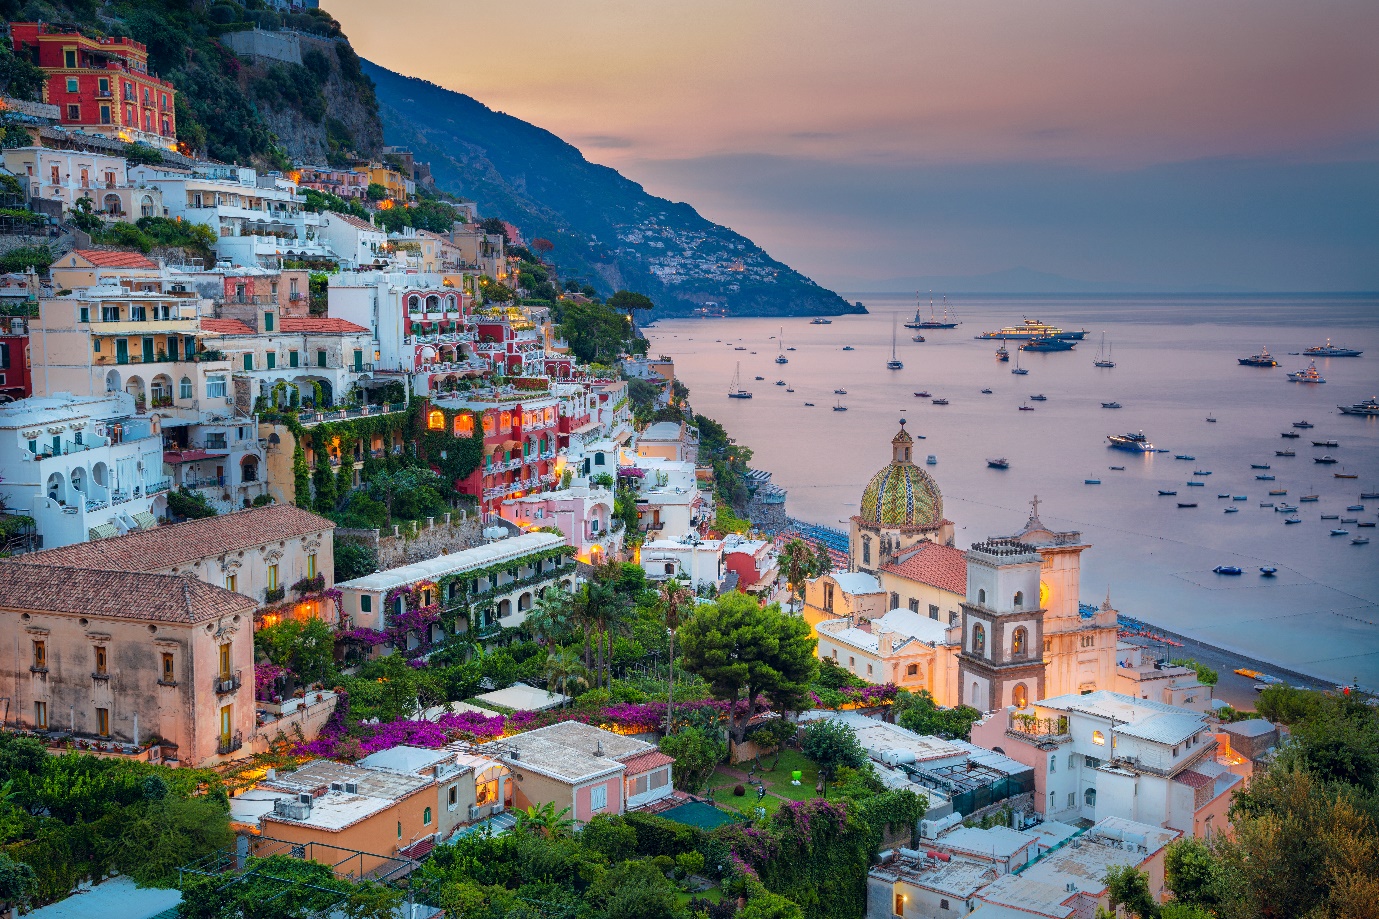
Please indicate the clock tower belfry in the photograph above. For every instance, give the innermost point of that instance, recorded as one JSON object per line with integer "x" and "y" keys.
{"x": 1001, "y": 662}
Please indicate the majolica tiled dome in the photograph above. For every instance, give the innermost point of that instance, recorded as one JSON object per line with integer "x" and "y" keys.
{"x": 902, "y": 494}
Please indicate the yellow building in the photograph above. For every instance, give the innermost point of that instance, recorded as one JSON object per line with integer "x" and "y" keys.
{"x": 398, "y": 186}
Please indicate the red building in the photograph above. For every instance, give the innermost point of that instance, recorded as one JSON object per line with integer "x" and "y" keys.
{"x": 101, "y": 85}
{"x": 519, "y": 446}
{"x": 15, "y": 379}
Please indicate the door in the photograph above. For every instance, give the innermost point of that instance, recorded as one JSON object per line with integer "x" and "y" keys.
{"x": 227, "y": 721}
{"x": 148, "y": 350}
{"x": 122, "y": 351}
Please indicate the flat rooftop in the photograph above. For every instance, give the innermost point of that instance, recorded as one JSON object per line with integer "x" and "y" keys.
{"x": 569, "y": 751}
{"x": 959, "y": 878}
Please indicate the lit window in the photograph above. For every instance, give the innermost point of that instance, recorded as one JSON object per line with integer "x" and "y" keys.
{"x": 169, "y": 671}
{"x": 272, "y": 577}
{"x": 40, "y": 655}
{"x": 1099, "y": 738}
{"x": 435, "y": 420}
{"x": 225, "y": 662}
{"x": 311, "y": 565}
{"x": 100, "y": 658}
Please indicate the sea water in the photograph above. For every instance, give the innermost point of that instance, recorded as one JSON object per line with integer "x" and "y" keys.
{"x": 1176, "y": 365}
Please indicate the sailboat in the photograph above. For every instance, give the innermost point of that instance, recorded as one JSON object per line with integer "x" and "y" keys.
{"x": 735, "y": 390}
{"x": 780, "y": 343}
{"x": 1001, "y": 353}
{"x": 1103, "y": 355}
{"x": 1017, "y": 368}
{"x": 932, "y": 322}
{"x": 894, "y": 363}
{"x": 838, "y": 406}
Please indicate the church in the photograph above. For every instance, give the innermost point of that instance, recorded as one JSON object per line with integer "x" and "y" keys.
{"x": 996, "y": 625}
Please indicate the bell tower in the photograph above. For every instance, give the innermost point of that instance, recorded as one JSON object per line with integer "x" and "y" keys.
{"x": 1001, "y": 662}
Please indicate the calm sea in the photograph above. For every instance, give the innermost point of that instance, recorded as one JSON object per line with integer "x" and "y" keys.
{"x": 1175, "y": 366}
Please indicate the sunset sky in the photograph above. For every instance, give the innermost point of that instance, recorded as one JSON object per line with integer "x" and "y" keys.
{"x": 1166, "y": 144}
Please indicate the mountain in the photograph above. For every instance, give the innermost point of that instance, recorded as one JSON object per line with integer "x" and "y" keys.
{"x": 607, "y": 229}
{"x": 1015, "y": 281}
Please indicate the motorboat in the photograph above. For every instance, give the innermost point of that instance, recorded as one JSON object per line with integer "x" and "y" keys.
{"x": 923, "y": 394}
{"x": 1346, "y": 475}
{"x": 1110, "y": 405}
{"x": 790, "y": 349}
{"x": 1275, "y": 492}
{"x": 1303, "y": 424}
{"x": 1350, "y": 520}
{"x": 1262, "y": 359}
{"x": 1033, "y": 328}
{"x": 761, "y": 378}
{"x": 1355, "y": 507}
{"x": 1265, "y": 478}
{"x": 1039, "y": 398}
{"x": 1291, "y": 435}
{"x": 1026, "y": 408}
{"x": 940, "y": 401}
{"x": 918, "y": 338}
{"x": 1340, "y": 531}
{"x": 1259, "y": 465}
{"x": 1330, "y": 516}
{"x": 1360, "y": 541}
{"x": 1292, "y": 520}
{"x": 894, "y": 363}
{"x": 1268, "y": 571}
{"x": 1211, "y": 420}
{"x": 1135, "y": 443}
{"x": 809, "y": 404}
{"x": 819, "y": 320}
{"x": 986, "y": 392}
{"x": 1187, "y": 503}
{"x": 1239, "y": 497}
{"x": 1365, "y": 523}
{"x": 780, "y": 382}
{"x": 999, "y": 463}
{"x": 849, "y": 348}
{"x": 840, "y": 392}
{"x": 1326, "y": 460}
{"x": 1227, "y": 569}
{"x": 1002, "y": 354}
{"x": 1116, "y": 468}
{"x": 1330, "y": 350}
{"x": 735, "y": 390}
{"x": 1226, "y": 495}
{"x": 1207, "y": 471}
{"x": 1308, "y": 374}
{"x": 931, "y": 460}
{"x": 1232, "y": 510}
{"x": 1325, "y": 443}
{"x": 1166, "y": 493}
{"x": 1196, "y": 484}
{"x": 1284, "y": 453}
{"x": 1048, "y": 344}
{"x": 1184, "y": 456}
{"x": 1286, "y": 508}
{"x": 1103, "y": 354}
{"x": 1091, "y": 481}
{"x": 1309, "y": 499}
{"x": 1369, "y": 495}
{"x": 1368, "y": 407}
{"x": 1266, "y": 504}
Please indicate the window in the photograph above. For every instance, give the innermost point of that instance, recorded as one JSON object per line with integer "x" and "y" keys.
{"x": 868, "y": 669}
{"x": 1053, "y": 764}
{"x": 866, "y": 550}
{"x": 321, "y": 358}
{"x": 978, "y": 639}
{"x": 1048, "y": 645}
{"x": 1019, "y": 643}
{"x": 105, "y": 114}
{"x": 1019, "y": 696}
{"x": 1019, "y": 600}
{"x": 272, "y": 359}
{"x": 40, "y": 655}
{"x": 225, "y": 661}
{"x": 231, "y": 582}
{"x": 1092, "y": 762}
{"x": 215, "y": 386}
{"x": 943, "y": 904}
{"x": 1099, "y": 738}
{"x": 933, "y": 611}
{"x": 100, "y": 659}
{"x": 895, "y": 601}
{"x": 453, "y": 796}
{"x": 184, "y": 388}
{"x": 426, "y": 817}
{"x": 660, "y": 778}
{"x": 311, "y": 565}
{"x": 84, "y": 315}
{"x": 1072, "y": 799}
{"x": 1072, "y": 760}
{"x": 1090, "y": 797}
{"x": 268, "y": 322}
{"x": 399, "y": 829}
{"x": 366, "y": 604}
{"x": 272, "y": 577}
{"x": 900, "y": 904}
{"x": 72, "y": 84}
{"x": 169, "y": 670}
{"x": 74, "y": 113}
{"x": 912, "y": 670}
{"x": 103, "y": 722}
{"x": 41, "y": 715}
{"x": 292, "y": 359}
{"x": 249, "y": 361}
{"x": 598, "y": 797}
{"x": 852, "y": 662}
{"x": 828, "y": 597}
{"x": 981, "y": 598}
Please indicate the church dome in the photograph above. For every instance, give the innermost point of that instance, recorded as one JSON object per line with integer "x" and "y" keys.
{"x": 902, "y": 494}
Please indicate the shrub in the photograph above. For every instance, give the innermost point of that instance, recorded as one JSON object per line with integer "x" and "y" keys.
{"x": 738, "y": 791}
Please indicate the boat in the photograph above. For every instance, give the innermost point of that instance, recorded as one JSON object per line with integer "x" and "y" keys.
{"x": 1184, "y": 456}
{"x": 1048, "y": 343}
{"x": 931, "y": 460}
{"x": 1196, "y": 484}
{"x": 1275, "y": 492}
{"x": 1110, "y": 405}
{"x": 1166, "y": 493}
{"x": 1309, "y": 499}
{"x": 1286, "y": 508}
{"x": 761, "y": 378}
{"x": 1331, "y": 517}
{"x": 1226, "y": 569}
{"x": 1349, "y": 520}
{"x": 789, "y": 389}
{"x": 1292, "y": 520}
{"x": 1346, "y": 475}
{"x": 1001, "y": 353}
{"x": 1326, "y": 460}
{"x": 1017, "y": 369}
{"x": 1355, "y": 507}
{"x": 1259, "y": 465}
{"x": 1266, "y": 504}
{"x": 1265, "y": 478}
{"x": 1309, "y": 374}
{"x": 999, "y": 463}
{"x": 848, "y": 348}
{"x": 1252, "y": 674}
{"x": 1338, "y": 531}
{"x": 780, "y": 382}
{"x": 780, "y": 347}
{"x": 1368, "y": 407}
{"x": 1239, "y": 497}
{"x": 809, "y": 404}
{"x": 790, "y": 348}
{"x": 894, "y": 363}
{"x": 838, "y": 406}
{"x": 739, "y": 348}
{"x": 1226, "y": 495}
{"x": 918, "y": 338}
{"x": 1116, "y": 468}
{"x": 1232, "y": 510}
{"x": 1039, "y": 397}
{"x": 1207, "y": 471}
{"x": 1026, "y": 408}
{"x": 1268, "y": 571}
{"x": 1033, "y": 328}
{"x": 1262, "y": 359}
{"x": 1330, "y": 350}
{"x": 1284, "y": 453}
{"x": 1303, "y": 424}
{"x": 1291, "y": 435}
{"x": 1103, "y": 354}
{"x": 819, "y": 320}
{"x": 840, "y": 392}
{"x": 1187, "y": 503}
{"x": 986, "y": 392}
{"x": 1135, "y": 443}
{"x": 735, "y": 390}
{"x": 1360, "y": 541}
{"x": 1365, "y": 523}
{"x": 940, "y": 401}
{"x": 1326, "y": 443}
{"x": 932, "y": 322}
{"x": 1091, "y": 481}
{"x": 923, "y": 394}
{"x": 1211, "y": 420}
{"x": 1369, "y": 495}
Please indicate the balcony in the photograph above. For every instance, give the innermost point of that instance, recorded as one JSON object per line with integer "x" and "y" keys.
{"x": 340, "y": 414}
{"x": 229, "y": 743}
{"x": 273, "y": 595}
{"x": 227, "y": 683}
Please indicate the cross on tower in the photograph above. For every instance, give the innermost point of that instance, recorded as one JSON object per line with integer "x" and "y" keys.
{"x": 1034, "y": 507}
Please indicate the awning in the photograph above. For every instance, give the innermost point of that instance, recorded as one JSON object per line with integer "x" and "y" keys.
{"x": 179, "y": 457}
{"x": 103, "y": 531}
{"x": 145, "y": 520}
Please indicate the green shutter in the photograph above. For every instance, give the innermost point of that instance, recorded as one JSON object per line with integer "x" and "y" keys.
{"x": 249, "y": 361}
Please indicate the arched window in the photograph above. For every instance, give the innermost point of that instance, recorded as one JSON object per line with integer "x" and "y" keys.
{"x": 184, "y": 388}
{"x": 912, "y": 670}
{"x": 981, "y": 597}
{"x": 426, "y": 817}
{"x": 464, "y": 424}
{"x": 670, "y": 568}
{"x": 866, "y": 550}
{"x": 1019, "y": 643}
{"x": 1099, "y": 738}
{"x": 433, "y": 304}
{"x": 1019, "y": 599}
{"x": 1090, "y": 797}
{"x": 450, "y": 303}
{"x": 435, "y": 420}
{"x": 1019, "y": 695}
{"x": 414, "y": 304}
{"x": 979, "y": 639}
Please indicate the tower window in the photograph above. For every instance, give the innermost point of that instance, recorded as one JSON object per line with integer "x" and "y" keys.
{"x": 979, "y": 639}
{"x": 1019, "y": 599}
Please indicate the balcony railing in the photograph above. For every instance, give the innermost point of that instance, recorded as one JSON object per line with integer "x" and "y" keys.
{"x": 274, "y": 594}
{"x": 339, "y": 414}
{"x": 229, "y": 743}
{"x": 226, "y": 683}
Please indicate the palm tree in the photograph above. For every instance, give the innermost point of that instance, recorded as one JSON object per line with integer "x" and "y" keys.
{"x": 797, "y": 563}
{"x": 552, "y": 619}
{"x": 545, "y": 821}
{"x": 564, "y": 670}
{"x": 675, "y": 595}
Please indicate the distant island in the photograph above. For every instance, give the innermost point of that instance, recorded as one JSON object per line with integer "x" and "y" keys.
{"x": 605, "y": 228}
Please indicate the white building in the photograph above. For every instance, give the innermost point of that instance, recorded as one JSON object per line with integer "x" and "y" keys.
{"x": 70, "y": 175}
{"x": 83, "y": 468}
{"x": 359, "y": 243}
{"x": 698, "y": 560}
{"x": 902, "y": 647}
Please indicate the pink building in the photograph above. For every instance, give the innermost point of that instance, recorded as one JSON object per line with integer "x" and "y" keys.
{"x": 583, "y": 513}
{"x": 754, "y": 561}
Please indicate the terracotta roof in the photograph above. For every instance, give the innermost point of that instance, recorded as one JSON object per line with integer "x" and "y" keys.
{"x": 225, "y": 327}
{"x": 1194, "y": 779}
{"x": 166, "y": 546}
{"x": 178, "y": 457}
{"x": 645, "y": 761}
{"x": 938, "y": 566}
{"x": 319, "y": 324}
{"x": 117, "y": 594}
{"x": 106, "y": 258}
{"x": 355, "y": 222}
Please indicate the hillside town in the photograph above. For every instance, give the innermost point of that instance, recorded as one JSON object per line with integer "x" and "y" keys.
{"x": 385, "y": 572}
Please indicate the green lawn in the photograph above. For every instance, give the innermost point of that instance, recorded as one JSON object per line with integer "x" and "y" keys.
{"x": 777, "y": 785}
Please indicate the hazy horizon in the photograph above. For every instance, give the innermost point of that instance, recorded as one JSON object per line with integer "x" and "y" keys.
{"x": 1169, "y": 146}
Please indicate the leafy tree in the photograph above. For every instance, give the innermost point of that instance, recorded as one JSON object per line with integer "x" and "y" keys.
{"x": 408, "y": 488}
{"x": 22, "y": 258}
{"x": 743, "y": 651}
{"x": 376, "y": 192}
{"x": 1205, "y": 675}
{"x": 564, "y": 670}
{"x": 798, "y": 563}
{"x": 494, "y": 226}
{"x": 674, "y": 602}
{"x": 189, "y": 505}
{"x": 353, "y": 560}
{"x": 772, "y": 735}
{"x": 610, "y": 836}
{"x": 1128, "y": 886}
{"x": 629, "y": 302}
{"x": 137, "y": 154}
{"x": 596, "y": 333}
{"x": 697, "y": 753}
{"x": 84, "y": 217}
{"x": 545, "y": 821}
{"x": 20, "y": 77}
{"x": 919, "y": 712}
{"x": 1193, "y": 873}
{"x": 833, "y": 744}
{"x": 304, "y": 646}
{"x": 281, "y": 887}
{"x": 17, "y": 883}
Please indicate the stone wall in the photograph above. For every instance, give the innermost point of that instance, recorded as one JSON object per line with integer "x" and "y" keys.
{"x": 425, "y": 540}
